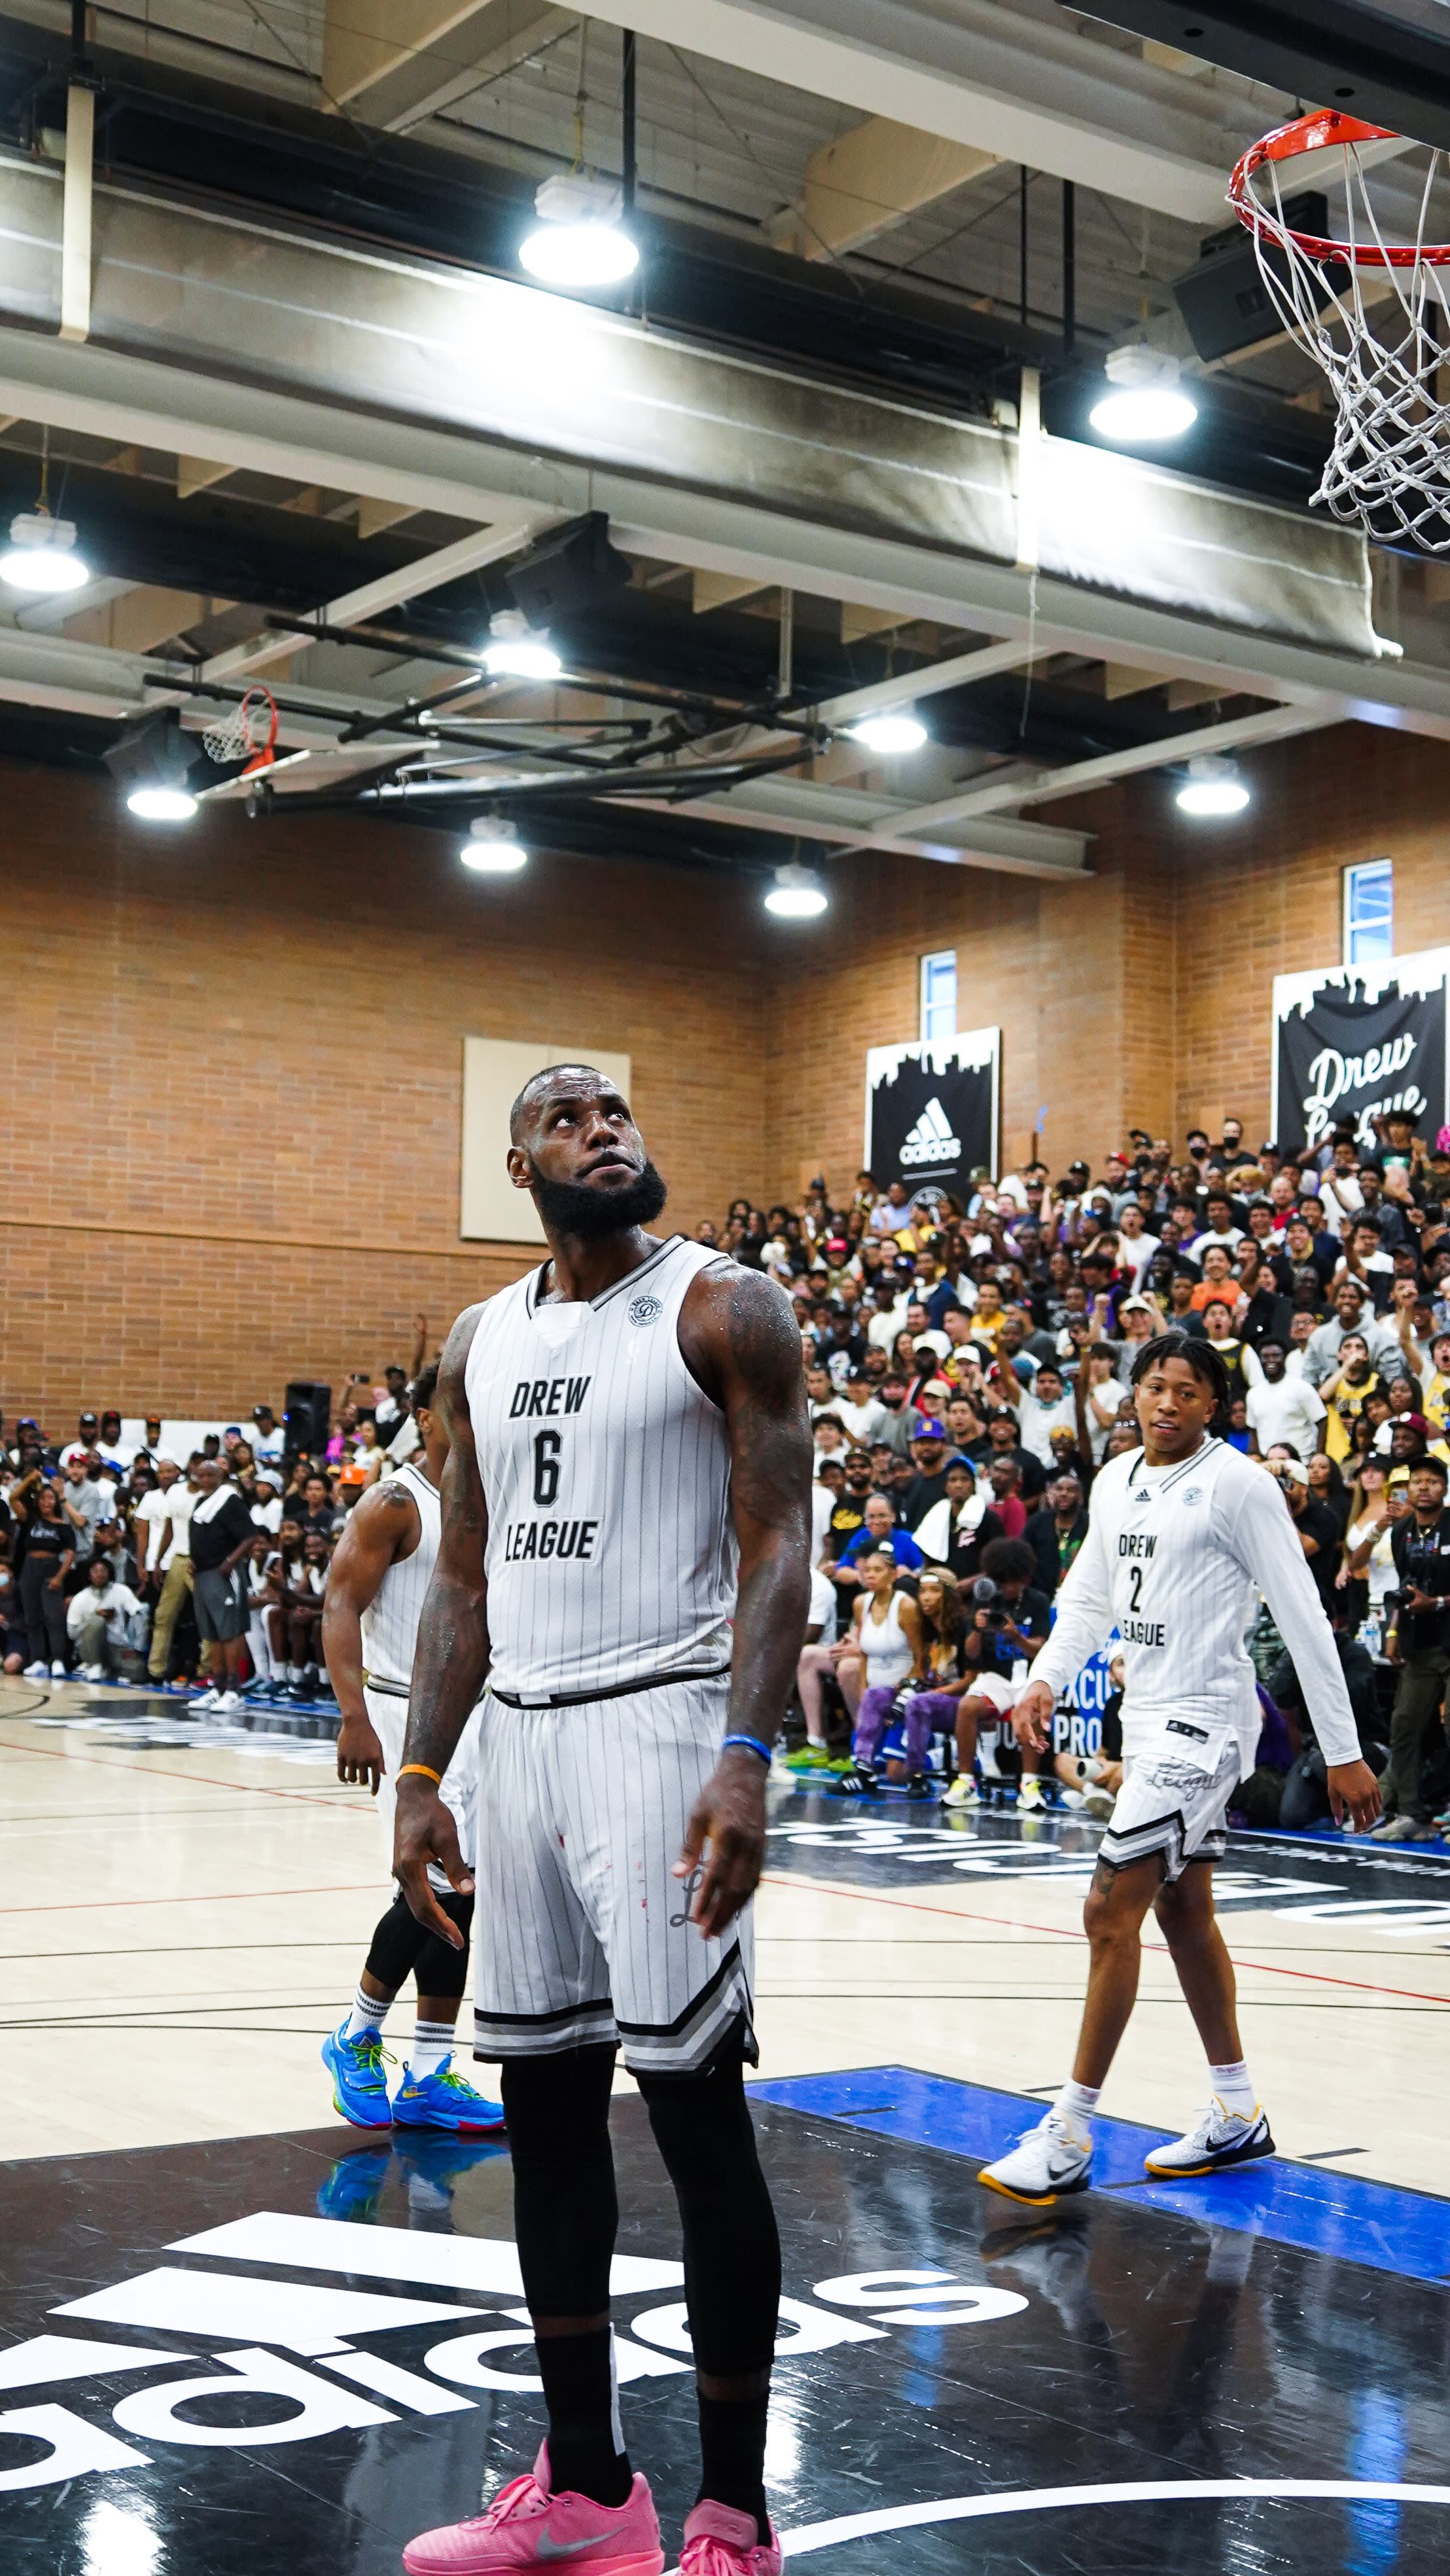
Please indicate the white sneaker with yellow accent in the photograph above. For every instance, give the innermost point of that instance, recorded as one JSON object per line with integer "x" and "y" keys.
{"x": 1046, "y": 2165}
{"x": 1222, "y": 2138}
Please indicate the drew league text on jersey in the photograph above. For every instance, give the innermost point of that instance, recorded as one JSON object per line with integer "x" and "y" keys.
{"x": 1133, "y": 1630}
{"x": 535, "y": 1399}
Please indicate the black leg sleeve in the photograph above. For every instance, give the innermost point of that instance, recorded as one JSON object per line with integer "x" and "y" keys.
{"x": 703, "y": 2130}
{"x": 566, "y": 2210}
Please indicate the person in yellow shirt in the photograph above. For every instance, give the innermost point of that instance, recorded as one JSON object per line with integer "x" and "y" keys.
{"x": 1345, "y": 1391}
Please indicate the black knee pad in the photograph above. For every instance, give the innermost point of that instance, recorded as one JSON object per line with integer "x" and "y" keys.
{"x": 402, "y": 1943}
{"x": 566, "y": 2210}
{"x": 704, "y": 2132}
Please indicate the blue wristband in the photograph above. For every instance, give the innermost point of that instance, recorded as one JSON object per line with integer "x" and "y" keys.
{"x": 748, "y": 1744}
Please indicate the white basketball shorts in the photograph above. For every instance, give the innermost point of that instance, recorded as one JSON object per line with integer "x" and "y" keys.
{"x": 459, "y": 1791}
{"x": 581, "y": 1930}
{"x": 1172, "y": 1807}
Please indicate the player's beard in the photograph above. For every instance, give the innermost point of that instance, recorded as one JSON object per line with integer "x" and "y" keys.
{"x": 572, "y": 1207}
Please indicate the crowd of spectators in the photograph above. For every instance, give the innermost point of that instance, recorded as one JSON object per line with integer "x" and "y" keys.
{"x": 194, "y": 1567}
{"x": 967, "y": 1366}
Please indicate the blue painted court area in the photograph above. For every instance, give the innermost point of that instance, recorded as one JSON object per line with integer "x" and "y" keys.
{"x": 1321, "y": 2212}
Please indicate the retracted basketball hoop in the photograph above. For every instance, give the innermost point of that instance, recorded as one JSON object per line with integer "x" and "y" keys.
{"x": 247, "y": 732}
{"x": 1389, "y": 467}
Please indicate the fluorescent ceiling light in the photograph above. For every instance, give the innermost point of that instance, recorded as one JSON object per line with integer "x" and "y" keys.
{"x": 797, "y": 894}
{"x": 1213, "y": 786}
{"x": 1147, "y": 404}
{"x": 579, "y": 239}
{"x": 41, "y": 555}
{"x": 894, "y": 729}
{"x": 493, "y": 848}
{"x": 161, "y": 804}
{"x": 514, "y": 652}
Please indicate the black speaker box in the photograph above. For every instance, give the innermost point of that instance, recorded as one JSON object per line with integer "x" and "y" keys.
{"x": 307, "y": 1415}
{"x": 569, "y": 573}
{"x": 1224, "y": 301}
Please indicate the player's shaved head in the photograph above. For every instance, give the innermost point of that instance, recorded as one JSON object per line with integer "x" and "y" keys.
{"x": 552, "y": 1077}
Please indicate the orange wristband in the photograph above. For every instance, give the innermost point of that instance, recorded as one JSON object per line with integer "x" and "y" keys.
{"x": 423, "y": 1771}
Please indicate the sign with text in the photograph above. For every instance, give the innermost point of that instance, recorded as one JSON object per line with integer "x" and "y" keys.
{"x": 931, "y": 1111}
{"x": 1352, "y": 1043}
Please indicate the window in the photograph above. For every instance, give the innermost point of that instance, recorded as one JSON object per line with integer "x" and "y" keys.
{"x": 939, "y": 997}
{"x": 1369, "y": 913}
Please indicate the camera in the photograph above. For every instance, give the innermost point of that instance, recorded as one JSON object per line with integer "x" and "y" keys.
{"x": 985, "y": 1596}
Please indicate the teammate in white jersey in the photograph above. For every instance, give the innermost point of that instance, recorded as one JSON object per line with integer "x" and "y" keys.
{"x": 1180, "y": 1534}
{"x": 375, "y": 1593}
{"x": 626, "y": 1528}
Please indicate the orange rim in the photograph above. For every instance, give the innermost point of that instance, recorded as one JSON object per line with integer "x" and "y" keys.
{"x": 1329, "y": 129}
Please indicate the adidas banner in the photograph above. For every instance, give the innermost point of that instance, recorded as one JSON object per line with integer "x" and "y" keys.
{"x": 1352, "y": 1043}
{"x": 931, "y": 1111}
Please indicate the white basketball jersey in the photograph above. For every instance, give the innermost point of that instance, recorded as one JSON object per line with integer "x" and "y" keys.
{"x": 606, "y": 1471}
{"x": 390, "y": 1622}
{"x": 1174, "y": 1558}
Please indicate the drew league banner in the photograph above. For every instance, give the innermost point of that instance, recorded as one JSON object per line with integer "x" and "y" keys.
{"x": 931, "y": 1111}
{"x": 1353, "y": 1042}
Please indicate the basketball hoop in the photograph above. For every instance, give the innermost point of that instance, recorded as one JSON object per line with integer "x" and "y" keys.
{"x": 1389, "y": 467}
{"x": 247, "y": 732}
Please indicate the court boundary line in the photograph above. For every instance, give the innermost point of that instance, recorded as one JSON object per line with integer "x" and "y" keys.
{"x": 1061, "y": 1932}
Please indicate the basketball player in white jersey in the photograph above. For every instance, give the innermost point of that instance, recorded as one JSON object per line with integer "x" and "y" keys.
{"x": 375, "y": 1593}
{"x": 1180, "y": 1535}
{"x": 626, "y": 1532}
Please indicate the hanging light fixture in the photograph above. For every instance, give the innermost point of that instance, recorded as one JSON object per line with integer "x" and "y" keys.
{"x": 796, "y": 895}
{"x": 493, "y": 847}
{"x": 514, "y": 651}
{"x": 1146, "y": 404}
{"x": 890, "y": 731}
{"x": 151, "y": 763}
{"x": 579, "y": 239}
{"x": 41, "y": 556}
{"x": 1213, "y": 786}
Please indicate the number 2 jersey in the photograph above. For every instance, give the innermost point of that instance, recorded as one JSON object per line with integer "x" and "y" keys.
{"x": 1172, "y": 1559}
{"x": 606, "y": 1472}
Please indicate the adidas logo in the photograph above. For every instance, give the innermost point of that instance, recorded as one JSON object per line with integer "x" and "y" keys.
{"x": 931, "y": 1139}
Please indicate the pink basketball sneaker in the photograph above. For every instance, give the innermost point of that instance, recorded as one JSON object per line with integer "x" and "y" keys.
{"x": 721, "y": 2542}
{"x": 526, "y": 2527}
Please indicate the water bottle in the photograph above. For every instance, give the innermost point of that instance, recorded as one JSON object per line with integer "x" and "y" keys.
{"x": 1371, "y": 1632}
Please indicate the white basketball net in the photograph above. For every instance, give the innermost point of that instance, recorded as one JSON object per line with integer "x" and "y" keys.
{"x": 243, "y": 731}
{"x": 1382, "y": 336}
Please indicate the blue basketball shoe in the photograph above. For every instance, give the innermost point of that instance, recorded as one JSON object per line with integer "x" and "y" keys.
{"x": 444, "y": 2100}
{"x": 359, "y": 2086}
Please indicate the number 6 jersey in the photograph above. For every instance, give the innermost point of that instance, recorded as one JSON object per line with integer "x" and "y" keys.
{"x": 1171, "y": 1559}
{"x": 606, "y": 1472}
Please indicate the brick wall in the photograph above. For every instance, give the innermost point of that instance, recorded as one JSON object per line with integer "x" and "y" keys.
{"x": 232, "y": 1140}
{"x": 233, "y": 1105}
{"x": 1141, "y": 996}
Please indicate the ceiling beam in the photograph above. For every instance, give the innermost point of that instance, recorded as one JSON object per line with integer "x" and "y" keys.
{"x": 904, "y": 688}
{"x": 840, "y": 816}
{"x": 363, "y": 41}
{"x": 989, "y": 76}
{"x": 501, "y": 35}
{"x": 410, "y": 581}
{"x": 986, "y": 796}
{"x": 869, "y": 181}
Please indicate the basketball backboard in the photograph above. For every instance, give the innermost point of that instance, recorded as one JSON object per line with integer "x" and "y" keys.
{"x": 1387, "y": 61}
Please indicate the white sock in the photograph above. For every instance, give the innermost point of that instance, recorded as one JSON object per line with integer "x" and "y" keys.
{"x": 432, "y": 2042}
{"x": 1235, "y": 2090}
{"x": 367, "y": 2015}
{"x": 1075, "y": 2106}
